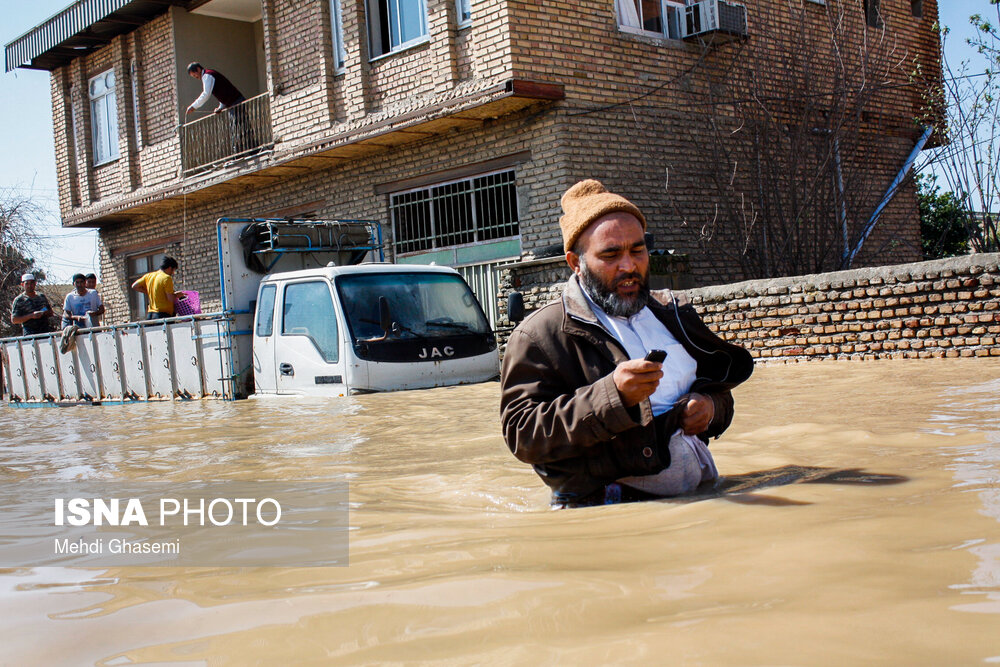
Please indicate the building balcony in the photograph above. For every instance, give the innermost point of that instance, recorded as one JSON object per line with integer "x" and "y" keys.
{"x": 227, "y": 135}
{"x": 220, "y": 152}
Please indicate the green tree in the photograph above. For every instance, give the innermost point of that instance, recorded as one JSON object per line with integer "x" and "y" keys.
{"x": 944, "y": 221}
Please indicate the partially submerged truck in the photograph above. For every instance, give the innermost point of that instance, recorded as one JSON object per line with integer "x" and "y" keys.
{"x": 308, "y": 308}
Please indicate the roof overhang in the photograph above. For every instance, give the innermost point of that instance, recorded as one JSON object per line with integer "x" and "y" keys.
{"x": 466, "y": 112}
{"x": 81, "y": 28}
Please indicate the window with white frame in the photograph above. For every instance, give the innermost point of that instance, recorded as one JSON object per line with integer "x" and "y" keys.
{"x": 395, "y": 24}
{"x": 104, "y": 117}
{"x": 337, "y": 31}
{"x": 656, "y": 18}
{"x": 471, "y": 210}
{"x": 464, "y": 8}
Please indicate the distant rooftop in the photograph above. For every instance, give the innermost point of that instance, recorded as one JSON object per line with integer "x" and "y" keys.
{"x": 83, "y": 27}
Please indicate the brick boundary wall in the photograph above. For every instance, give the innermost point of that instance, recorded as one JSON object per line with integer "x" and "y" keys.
{"x": 940, "y": 308}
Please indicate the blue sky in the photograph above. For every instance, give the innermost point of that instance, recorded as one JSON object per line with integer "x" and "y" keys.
{"x": 27, "y": 160}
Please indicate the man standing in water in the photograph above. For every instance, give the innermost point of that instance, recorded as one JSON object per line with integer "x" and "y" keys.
{"x": 581, "y": 399}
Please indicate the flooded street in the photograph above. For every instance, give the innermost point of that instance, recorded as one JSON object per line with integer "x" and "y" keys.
{"x": 861, "y": 524}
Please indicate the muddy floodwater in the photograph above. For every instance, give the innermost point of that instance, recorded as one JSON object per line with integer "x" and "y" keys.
{"x": 859, "y": 523}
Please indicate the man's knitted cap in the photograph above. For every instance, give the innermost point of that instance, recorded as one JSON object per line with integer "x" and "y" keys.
{"x": 587, "y": 201}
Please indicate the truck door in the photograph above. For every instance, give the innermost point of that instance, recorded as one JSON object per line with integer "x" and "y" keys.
{"x": 307, "y": 353}
{"x": 264, "y": 370}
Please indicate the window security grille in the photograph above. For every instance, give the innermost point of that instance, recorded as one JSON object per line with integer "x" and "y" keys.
{"x": 472, "y": 210}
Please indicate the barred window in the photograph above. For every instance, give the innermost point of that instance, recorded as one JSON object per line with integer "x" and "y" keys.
{"x": 472, "y": 210}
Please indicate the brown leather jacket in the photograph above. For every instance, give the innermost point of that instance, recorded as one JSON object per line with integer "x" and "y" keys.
{"x": 561, "y": 412}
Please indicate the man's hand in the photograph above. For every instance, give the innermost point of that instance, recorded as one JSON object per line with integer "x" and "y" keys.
{"x": 188, "y": 110}
{"x": 698, "y": 413}
{"x": 636, "y": 380}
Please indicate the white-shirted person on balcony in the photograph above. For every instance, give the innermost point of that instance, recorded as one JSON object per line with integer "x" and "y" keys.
{"x": 214, "y": 84}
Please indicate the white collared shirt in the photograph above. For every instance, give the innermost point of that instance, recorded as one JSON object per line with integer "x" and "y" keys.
{"x": 207, "y": 86}
{"x": 643, "y": 332}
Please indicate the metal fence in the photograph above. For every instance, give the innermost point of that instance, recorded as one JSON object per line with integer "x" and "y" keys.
{"x": 239, "y": 130}
{"x": 484, "y": 279}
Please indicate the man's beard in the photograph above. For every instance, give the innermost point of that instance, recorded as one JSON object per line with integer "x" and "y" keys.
{"x": 606, "y": 296}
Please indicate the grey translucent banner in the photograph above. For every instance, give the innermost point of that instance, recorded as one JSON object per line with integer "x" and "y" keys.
{"x": 224, "y": 524}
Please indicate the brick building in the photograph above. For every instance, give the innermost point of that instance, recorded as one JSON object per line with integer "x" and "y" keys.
{"x": 458, "y": 123}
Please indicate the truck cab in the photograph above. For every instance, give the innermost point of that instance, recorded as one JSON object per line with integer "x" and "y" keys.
{"x": 341, "y": 330}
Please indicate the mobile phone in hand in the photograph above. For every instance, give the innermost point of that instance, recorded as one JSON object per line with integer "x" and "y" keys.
{"x": 656, "y": 355}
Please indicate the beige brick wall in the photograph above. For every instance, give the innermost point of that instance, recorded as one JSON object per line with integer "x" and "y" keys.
{"x": 941, "y": 308}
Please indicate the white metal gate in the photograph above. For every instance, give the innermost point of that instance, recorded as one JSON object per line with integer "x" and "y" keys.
{"x": 484, "y": 279}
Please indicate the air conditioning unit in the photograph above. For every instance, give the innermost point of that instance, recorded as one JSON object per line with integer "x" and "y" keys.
{"x": 715, "y": 18}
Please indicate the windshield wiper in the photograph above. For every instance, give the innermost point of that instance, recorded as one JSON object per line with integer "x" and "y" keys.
{"x": 447, "y": 324}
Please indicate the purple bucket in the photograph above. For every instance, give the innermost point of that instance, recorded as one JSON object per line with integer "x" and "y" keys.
{"x": 190, "y": 305}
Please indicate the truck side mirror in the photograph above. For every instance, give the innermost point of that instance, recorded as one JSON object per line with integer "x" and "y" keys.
{"x": 384, "y": 316}
{"x": 515, "y": 306}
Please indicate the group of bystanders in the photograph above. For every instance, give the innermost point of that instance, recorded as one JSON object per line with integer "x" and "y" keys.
{"x": 82, "y": 307}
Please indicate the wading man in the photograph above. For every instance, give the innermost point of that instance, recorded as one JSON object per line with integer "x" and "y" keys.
{"x": 599, "y": 422}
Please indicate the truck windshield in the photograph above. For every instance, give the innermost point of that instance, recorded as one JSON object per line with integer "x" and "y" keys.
{"x": 420, "y": 305}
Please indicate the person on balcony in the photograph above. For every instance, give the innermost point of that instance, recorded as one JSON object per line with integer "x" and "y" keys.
{"x": 215, "y": 84}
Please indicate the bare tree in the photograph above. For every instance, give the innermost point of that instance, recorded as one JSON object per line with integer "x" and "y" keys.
{"x": 796, "y": 135}
{"x": 969, "y": 160}
{"x": 20, "y": 240}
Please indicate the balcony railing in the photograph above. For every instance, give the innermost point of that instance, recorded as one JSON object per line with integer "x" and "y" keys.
{"x": 240, "y": 130}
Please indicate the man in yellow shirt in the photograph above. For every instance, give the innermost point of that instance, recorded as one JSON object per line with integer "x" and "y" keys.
{"x": 158, "y": 286}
